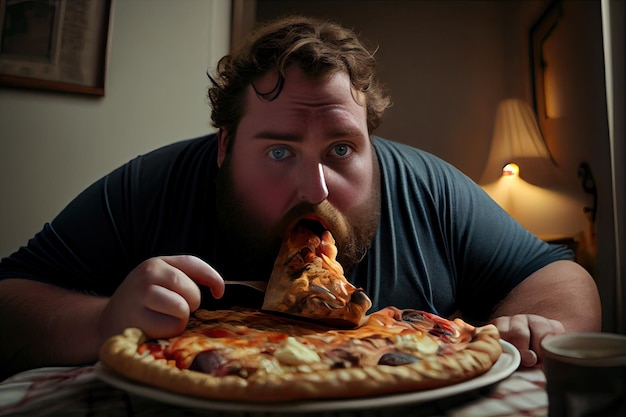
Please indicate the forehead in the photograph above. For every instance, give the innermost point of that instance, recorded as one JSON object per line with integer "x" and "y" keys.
{"x": 297, "y": 89}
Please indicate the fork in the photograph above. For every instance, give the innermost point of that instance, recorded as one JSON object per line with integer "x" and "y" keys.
{"x": 257, "y": 285}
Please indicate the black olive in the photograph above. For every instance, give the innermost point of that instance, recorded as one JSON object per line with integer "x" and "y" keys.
{"x": 397, "y": 358}
{"x": 413, "y": 316}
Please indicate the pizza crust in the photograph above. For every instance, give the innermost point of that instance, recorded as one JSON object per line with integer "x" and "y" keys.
{"x": 119, "y": 354}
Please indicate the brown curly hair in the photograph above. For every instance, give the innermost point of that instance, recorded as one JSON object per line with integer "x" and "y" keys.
{"x": 318, "y": 47}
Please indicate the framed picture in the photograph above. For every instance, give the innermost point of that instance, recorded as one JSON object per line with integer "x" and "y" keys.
{"x": 58, "y": 45}
{"x": 540, "y": 62}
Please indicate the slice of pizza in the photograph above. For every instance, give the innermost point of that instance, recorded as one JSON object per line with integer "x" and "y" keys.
{"x": 308, "y": 282}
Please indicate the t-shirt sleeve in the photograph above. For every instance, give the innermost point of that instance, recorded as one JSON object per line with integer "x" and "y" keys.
{"x": 81, "y": 246}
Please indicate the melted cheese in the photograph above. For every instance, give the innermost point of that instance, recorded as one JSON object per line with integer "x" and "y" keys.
{"x": 411, "y": 344}
{"x": 292, "y": 352}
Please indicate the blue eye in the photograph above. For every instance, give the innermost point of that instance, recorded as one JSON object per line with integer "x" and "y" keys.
{"x": 278, "y": 153}
{"x": 341, "y": 150}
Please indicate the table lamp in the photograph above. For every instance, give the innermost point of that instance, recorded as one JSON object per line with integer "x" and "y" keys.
{"x": 522, "y": 177}
{"x": 516, "y": 138}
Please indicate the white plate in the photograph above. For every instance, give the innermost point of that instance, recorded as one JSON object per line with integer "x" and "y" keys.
{"x": 504, "y": 366}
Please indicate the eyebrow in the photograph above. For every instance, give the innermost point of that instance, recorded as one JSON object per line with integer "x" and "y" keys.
{"x": 281, "y": 136}
{"x": 293, "y": 137}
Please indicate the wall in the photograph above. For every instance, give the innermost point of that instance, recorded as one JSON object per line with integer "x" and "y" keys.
{"x": 54, "y": 145}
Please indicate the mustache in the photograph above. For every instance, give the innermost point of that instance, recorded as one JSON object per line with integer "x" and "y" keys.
{"x": 332, "y": 218}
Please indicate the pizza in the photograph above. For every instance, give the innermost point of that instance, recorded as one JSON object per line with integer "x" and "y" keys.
{"x": 312, "y": 339}
{"x": 253, "y": 356}
{"x": 307, "y": 281}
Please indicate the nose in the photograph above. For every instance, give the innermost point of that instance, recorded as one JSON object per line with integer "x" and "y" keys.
{"x": 313, "y": 188}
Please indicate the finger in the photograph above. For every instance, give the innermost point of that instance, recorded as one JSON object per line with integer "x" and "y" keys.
{"x": 502, "y": 324}
{"x": 528, "y": 358}
{"x": 515, "y": 330}
{"x": 176, "y": 281}
{"x": 157, "y": 325}
{"x": 541, "y": 327}
{"x": 165, "y": 301}
{"x": 199, "y": 271}
{"x": 518, "y": 332}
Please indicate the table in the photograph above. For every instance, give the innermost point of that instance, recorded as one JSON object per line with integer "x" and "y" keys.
{"x": 78, "y": 392}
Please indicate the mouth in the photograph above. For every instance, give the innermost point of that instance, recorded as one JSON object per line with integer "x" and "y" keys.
{"x": 312, "y": 223}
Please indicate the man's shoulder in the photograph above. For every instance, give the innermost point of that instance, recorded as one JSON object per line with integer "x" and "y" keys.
{"x": 199, "y": 150}
{"x": 182, "y": 159}
{"x": 205, "y": 141}
{"x": 392, "y": 153}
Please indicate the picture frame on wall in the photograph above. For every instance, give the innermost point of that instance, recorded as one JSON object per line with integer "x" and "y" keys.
{"x": 56, "y": 45}
{"x": 540, "y": 61}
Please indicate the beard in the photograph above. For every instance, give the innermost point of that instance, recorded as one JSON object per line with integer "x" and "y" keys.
{"x": 249, "y": 246}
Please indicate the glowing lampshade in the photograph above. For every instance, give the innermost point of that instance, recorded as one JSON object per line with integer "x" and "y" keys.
{"x": 516, "y": 138}
{"x": 521, "y": 176}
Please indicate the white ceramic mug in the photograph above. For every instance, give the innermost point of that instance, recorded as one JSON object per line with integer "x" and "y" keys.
{"x": 585, "y": 374}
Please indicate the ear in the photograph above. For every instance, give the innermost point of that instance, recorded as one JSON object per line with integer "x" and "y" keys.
{"x": 222, "y": 146}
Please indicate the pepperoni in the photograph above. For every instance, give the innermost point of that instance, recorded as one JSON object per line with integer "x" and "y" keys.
{"x": 208, "y": 362}
{"x": 216, "y": 333}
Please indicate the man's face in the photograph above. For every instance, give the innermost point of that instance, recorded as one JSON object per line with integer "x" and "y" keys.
{"x": 306, "y": 153}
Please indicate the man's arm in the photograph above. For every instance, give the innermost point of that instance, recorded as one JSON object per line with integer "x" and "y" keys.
{"x": 560, "y": 297}
{"x": 42, "y": 325}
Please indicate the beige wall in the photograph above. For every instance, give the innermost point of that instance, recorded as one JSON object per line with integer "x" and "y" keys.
{"x": 54, "y": 145}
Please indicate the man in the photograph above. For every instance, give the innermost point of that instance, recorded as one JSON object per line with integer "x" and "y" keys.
{"x": 295, "y": 110}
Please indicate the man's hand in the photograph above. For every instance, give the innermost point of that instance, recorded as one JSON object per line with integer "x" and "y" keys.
{"x": 560, "y": 297}
{"x": 159, "y": 295}
{"x": 525, "y": 332}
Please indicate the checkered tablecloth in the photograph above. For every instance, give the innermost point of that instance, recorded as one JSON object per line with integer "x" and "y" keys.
{"x": 78, "y": 392}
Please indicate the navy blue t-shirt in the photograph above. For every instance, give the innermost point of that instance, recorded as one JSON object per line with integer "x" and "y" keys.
{"x": 442, "y": 244}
